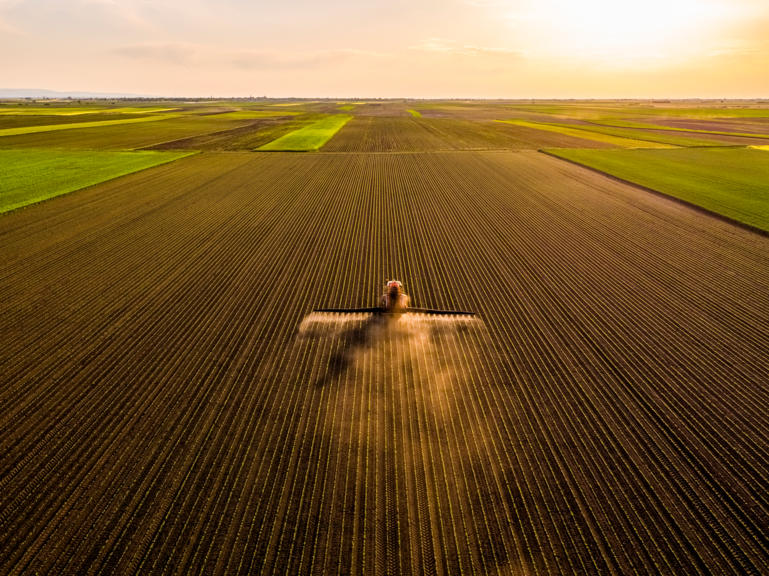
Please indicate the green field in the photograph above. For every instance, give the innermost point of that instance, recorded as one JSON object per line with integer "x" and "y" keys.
{"x": 29, "y": 176}
{"x": 641, "y": 132}
{"x": 153, "y": 134}
{"x": 645, "y": 126}
{"x": 309, "y": 125}
{"x": 729, "y": 181}
{"x": 181, "y": 394}
{"x": 76, "y": 125}
{"x": 254, "y": 114}
{"x": 612, "y": 109}
{"x": 77, "y": 110}
{"x": 588, "y": 134}
{"x": 310, "y": 137}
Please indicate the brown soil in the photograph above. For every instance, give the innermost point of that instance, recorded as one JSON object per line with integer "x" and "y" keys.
{"x": 407, "y": 134}
{"x": 247, "y": 137}
{"x": 162, "y": 412}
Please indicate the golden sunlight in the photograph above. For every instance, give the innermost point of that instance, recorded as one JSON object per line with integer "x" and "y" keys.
{"x": 620, "y": 32}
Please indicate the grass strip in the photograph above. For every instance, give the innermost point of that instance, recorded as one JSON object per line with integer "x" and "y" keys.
{"x": 639, "y": 134}
{"x": 644, "y": 126}
{"x": 730, "y": 182}
{"x": 586, "y": 134}
{"x": 310, "y": 137}
{"x": 73, "y": 125}
{"x": 29, "y": 176}
{"x": 612, "y": 110}
{"x": 77, "y": 111}
{"x": 256, "y": 114}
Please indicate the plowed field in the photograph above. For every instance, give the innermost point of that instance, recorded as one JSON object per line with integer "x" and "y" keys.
{"x": 171, "y": 404}
{"x": 408, "y": 134}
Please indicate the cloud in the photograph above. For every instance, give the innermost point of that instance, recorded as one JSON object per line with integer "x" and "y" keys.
{"x": 487, "y": 3}
{"x": 75, "y": 21}
{"x": 8, "y": 29}
{"x": 173, "y": 53}
{"x": 185, "y": 54}
{"x": 734, "y": 51}
{"x": 272, "y": 59}
{"x": 750, "y": 33}
{"x": 120, "y": 13}
{"x": 442, "y": 45}
{"x": 266, "y": 59}
{"x": 487, "y": 51}
{"x": 434, "y": 45}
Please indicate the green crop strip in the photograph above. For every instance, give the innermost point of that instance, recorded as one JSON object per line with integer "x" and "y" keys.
{"x": 580, "y": 110}
{"x": 256, "y": 114}
{"x": 56, "y": 127}
{"x": 310, "y": 137}
{"x": 29, "y": 176}
{"x": 644, "y": 126}
{"x": 728, "y": 181}
{"x": 77, "y": 111}
{"x": 586, "y": 134}
{"x": 639, "y": 134}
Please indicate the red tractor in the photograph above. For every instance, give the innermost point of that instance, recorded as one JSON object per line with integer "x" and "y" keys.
{"x": 395, "y": 301}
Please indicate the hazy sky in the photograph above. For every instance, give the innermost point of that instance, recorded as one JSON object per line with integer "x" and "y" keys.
{"x": 389, "y": 48}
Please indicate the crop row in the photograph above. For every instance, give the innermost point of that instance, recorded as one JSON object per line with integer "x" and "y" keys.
{"x": 409, "y": 134}
{"x": 101, "y": 136}
{"x": 169, "y": 406}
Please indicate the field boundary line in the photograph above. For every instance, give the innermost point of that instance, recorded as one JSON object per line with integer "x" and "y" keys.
{"x": 249, "y": 124}
{"x": 308, "y": 138}
{"x": 178, "y": 156}
{"x": 81, "y": 125}
{"x": 637, "y": 125}
{"x": 686, "y": 203}
{"x": 591, "y": 135}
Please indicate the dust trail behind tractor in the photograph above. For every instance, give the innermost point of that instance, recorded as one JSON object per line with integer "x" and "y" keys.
{"x": 374, "y": 339}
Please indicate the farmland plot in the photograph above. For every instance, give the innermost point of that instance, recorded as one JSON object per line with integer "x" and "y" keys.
{"x": 753, "y": 126}
{"x": 396, "y": 134}
{"x": 26, "y": 120}
{"x": 579, "y": 131}
{"x": 246, "y": 137}
{"x": 311, "y": 137}
{"x": 731, "y": 182}
{"x": 124, "y": 136}
{"x": 172, "y": 405}
{"x": 30, "y": 176}
{"x": 82, "y": 125}
{"x": 385, "y": 134}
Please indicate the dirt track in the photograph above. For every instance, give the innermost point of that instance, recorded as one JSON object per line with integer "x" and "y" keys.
{"x": 162, "y": 412}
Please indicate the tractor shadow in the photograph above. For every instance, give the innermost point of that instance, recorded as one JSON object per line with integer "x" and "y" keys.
{"x": 358, "y": 336}
{"x": 352, "y": 337}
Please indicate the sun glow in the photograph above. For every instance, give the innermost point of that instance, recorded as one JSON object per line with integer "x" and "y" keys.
{"x": 618, "y": 31}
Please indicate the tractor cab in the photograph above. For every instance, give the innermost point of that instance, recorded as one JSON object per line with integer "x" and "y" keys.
{"x": 394, "y": 299}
